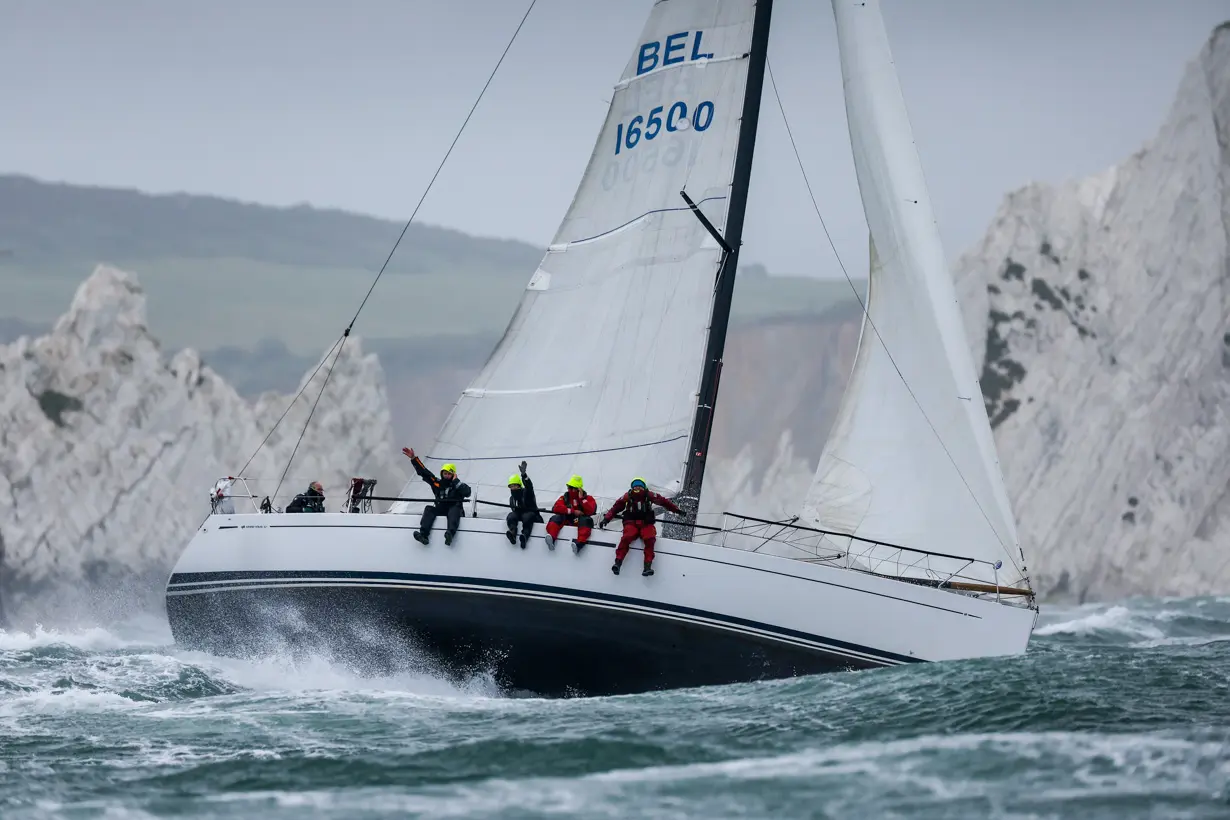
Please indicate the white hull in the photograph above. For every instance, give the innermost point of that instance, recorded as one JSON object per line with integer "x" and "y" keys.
{"x": 555, "y": 622}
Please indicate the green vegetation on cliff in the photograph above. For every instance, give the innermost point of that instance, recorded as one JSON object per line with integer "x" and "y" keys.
{"x": 223, "y": 273}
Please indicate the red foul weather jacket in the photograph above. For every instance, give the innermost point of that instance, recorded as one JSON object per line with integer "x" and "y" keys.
{"x": 638, "y": 507}
{"x": 575, "y": 505}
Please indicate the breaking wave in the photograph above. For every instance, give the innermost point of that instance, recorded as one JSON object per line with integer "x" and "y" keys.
{"x": 1116, "y": 710}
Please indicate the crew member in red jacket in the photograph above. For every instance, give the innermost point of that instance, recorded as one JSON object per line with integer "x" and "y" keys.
{"x": 574, "y": 508}
{"x": 637, "y": 507}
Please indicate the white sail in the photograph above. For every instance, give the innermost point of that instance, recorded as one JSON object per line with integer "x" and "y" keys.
{"x": 910, "y": 460}
{"x": 598, "y": 371}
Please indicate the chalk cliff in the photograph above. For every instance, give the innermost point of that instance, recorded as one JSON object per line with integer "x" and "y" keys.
{"x": 108, "y": 448}
{"x": 1100, "y": 309}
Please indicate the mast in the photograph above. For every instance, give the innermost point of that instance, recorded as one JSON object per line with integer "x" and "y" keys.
{"x": 702, "y": 424}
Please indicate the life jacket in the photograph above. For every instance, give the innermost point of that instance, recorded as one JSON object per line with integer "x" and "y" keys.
{"x": 307, "y": 502}
{"x": 522, "y": 500}
{"x": 639, "y": 507}
{"x": 572, "y": 500}
{"x": 314, "y": 501}
{"x": 449, "y": 493}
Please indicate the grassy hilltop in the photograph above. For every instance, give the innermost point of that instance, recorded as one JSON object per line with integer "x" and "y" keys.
{"x": 226, "y": 274}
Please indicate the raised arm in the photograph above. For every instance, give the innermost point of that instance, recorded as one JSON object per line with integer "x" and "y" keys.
{"x": 423, "y": 472}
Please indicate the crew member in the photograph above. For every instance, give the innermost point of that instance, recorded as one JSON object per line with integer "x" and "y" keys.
{"x": 450, "y": 496}
{"x": 574, "y": 508}
{"x": 312, "y": 500}
{"x": 637, "y": 507}
{"x": 522, "y": 505}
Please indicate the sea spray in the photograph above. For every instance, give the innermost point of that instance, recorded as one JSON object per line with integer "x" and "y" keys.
{"x": 1118, "y": 710}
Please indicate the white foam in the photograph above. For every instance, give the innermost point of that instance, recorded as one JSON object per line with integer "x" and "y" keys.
{"x": 282, "y": 672}
{"x": 849, "y": 775}
{"x": 1115, "y": 619}
{"x": 14, "y": 710}
{"x": 92, "y": 639}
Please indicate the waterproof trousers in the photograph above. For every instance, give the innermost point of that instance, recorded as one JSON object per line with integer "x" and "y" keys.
{"x": 644, "y": 530}
{"x": 583, "y": 523}
{"x": 452, "y": 514}
{"x": 525, "y": 519}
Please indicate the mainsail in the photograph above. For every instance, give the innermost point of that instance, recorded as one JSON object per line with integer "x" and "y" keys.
{"x": 598, "y": 371}
{"x": 910, "y": 461}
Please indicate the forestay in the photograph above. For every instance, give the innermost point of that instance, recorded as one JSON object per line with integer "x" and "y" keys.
{"x": 910, "y": 460}
{"x": 598, "y": 370}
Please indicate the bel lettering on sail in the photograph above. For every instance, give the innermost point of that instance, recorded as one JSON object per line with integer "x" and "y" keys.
{"x": 673, "y": 52}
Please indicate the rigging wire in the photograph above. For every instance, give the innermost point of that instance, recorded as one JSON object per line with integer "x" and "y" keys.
{"x": 312, "y": 412}
{"x": 306, "y": 382}
{"x": 339, "y": 345}
{"x": 447, "y": 154}
{"x": 867, "y": 317}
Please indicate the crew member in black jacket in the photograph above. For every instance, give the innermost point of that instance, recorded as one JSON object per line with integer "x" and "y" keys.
{"x": 523, "y": 507}
{"x": 308, "y": 502}
{"x": 450, "y": 496}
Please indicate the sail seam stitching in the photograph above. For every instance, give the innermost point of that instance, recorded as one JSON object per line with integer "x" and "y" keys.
{"x": 479, "y": 392}
{"x": 561, "y": 455}
{"x": 560, "y": 247}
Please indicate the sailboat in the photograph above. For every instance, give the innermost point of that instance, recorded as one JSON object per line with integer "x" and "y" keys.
{"x": 906, "y": 548}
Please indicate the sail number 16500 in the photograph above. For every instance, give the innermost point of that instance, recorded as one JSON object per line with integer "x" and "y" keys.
{"x": 673, "y": 119}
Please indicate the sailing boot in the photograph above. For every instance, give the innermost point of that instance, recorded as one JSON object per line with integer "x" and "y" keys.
{"x": 525, "y": 539}
{"x": 421, "y": 537}
{"x": 577, "y": 546}
{"x": 550, "y": 541}
{"x": 511, "y": 535}
{"x": 648, "y": 570}
{"x": 616, "y": 565}
{"x": 448, "y": 538}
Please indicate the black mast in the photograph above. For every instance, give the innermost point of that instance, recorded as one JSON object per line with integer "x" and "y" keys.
{"x": 702, "y": 425}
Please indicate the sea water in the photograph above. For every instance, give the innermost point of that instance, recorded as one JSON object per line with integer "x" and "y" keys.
{"x": 1116, "y": 711}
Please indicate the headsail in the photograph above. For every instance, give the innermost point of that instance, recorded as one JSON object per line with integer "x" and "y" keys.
{"x": 598, "y": 371}
{"x": 911, "y": 460}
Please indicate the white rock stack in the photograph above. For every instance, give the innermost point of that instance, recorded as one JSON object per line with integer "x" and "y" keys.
{"x": 108, "y": 450}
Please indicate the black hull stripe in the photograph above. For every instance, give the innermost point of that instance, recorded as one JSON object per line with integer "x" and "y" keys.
{"x": 828, "y": 646}
{"x": 661, "y": 550}
{"x": 196, "y": 583}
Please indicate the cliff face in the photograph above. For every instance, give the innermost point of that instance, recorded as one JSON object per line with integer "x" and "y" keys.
{"x": 781, "y": 384}
{"x": 1101, "y": 311}
{"x": 108, "y": 450}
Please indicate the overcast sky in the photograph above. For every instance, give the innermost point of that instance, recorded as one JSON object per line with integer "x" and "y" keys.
{"x": 351, "y": 104}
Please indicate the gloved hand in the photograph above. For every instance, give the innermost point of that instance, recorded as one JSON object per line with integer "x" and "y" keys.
{"x": 602, "y": 524}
